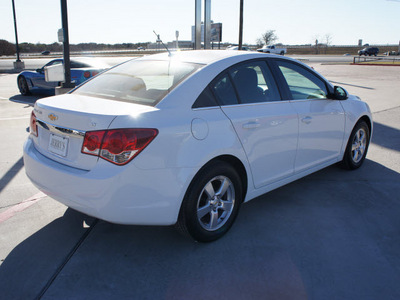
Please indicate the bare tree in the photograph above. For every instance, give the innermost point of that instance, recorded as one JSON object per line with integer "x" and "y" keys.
{"x": 267, "y": 38}
{"x": 259, "y": 42}
{"x": 328, "y": 39}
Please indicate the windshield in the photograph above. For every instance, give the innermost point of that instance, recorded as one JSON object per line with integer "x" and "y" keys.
{"x": 137, "y": 81}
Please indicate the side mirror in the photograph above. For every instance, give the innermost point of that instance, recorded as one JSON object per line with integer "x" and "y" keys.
{"x": 339, "y": 93}
{"x": 39, "y": 70}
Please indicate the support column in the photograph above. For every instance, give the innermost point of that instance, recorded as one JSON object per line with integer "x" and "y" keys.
{"x": 207, "y": 24}
{"x": 197, "y": 25}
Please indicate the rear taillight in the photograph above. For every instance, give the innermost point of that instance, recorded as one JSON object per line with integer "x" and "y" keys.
{"x": 94, "y": 73}
{"x": 118, "y": 146}
{"x": 86, "y": 74}
{"x": 33, "y": 125}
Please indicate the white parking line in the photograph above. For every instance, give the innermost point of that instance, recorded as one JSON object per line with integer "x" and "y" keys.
{"x": 17, "y": 118}
{"x": 3, "y": 98}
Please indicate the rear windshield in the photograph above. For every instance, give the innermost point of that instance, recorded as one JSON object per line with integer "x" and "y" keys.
{"x": 137, "y": 81}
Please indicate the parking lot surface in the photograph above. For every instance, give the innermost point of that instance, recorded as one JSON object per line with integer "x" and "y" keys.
{"x": 332, "y": 235}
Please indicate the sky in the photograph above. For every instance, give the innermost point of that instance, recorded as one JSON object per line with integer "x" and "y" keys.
{"x": 130, "y": 21}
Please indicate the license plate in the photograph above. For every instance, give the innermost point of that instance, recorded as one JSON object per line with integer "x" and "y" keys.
{"x": 58, "y": 145}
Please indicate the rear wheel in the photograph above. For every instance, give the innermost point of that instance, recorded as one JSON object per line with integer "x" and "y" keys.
{"x": 211, "y": 203}
{"x": 23, "y": 86}
{"x": 357, "y": 147}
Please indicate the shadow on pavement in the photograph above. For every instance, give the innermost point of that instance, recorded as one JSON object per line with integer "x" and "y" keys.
{"x": 353, "y": 85}
{"x": 331, "y": 235}
{"x": 11, "y": 173}
{"x": 383, "y": 136}
{"x": 30, "y": 100}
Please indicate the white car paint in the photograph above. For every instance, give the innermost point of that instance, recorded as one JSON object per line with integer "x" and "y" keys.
{"x": 276, "y": 142}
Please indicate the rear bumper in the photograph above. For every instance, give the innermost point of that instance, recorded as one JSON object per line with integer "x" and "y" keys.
{"x": 123, "y": 195}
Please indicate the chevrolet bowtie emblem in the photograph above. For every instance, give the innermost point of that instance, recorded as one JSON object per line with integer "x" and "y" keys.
{"x": 52, "y": 117}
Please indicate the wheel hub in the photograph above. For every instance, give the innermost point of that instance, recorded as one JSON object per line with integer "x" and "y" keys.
{"x": 215, "y": 202}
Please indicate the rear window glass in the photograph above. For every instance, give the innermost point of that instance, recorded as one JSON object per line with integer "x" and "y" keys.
{"x": 142, "y": 82}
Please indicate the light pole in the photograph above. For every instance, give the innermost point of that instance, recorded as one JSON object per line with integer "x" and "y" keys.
{"x": 241, "y": 25}
{"x": 17, "y": 64}
{"x": 67, "y": 63}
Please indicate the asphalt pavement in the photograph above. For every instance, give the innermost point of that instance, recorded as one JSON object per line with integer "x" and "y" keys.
{"x": 331, "y": 235}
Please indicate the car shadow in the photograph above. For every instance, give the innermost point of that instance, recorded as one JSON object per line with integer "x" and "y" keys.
{"x": 331, "y": 235}
{"x": 30, "y": 100}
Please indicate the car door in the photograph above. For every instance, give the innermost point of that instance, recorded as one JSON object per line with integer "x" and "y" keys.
{"x": 321, "y": 120}
{"x": 266, "y": 126}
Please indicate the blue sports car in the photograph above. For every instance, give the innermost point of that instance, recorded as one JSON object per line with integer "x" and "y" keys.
{"x": 81, "y": 70}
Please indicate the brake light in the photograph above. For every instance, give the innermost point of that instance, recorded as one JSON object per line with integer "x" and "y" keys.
{"x": 92, "y": 142}
{"x": 33, "y": 124}
{"x": 94, "y": 73}
{"x": 86, "y": 74}
{"x": 118, "y": 146}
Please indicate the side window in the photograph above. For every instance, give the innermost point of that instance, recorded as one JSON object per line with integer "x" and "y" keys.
{"x": 302, "y": 83}
{"x": 206, "y": 99}
{"x": 254, "y": 83}
{"x": 78, "y": 65}
{"x": 223, "y": 90}
{"x": 53, "y": 63}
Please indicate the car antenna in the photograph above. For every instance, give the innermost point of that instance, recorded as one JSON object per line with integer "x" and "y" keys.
{"x": 160, "y": 41}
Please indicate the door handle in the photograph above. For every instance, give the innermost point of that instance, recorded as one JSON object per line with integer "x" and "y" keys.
{"x": 306, "y": 120}
{"x": 251, "y": 125}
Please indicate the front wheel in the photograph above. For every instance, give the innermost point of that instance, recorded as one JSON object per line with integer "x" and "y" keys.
{"x": 357, "y": 147}
{"x": 23, "y": 86}
{"x": 211, "y": 203}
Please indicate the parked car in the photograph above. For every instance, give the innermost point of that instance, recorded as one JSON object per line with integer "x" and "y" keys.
{"x": 369, "y": 51}
{"x": 244, "y": 48}
{"x": 186, "y": 138}
{"x": 81, "y": 70}
{"x": 46, "y": 52}
{"x": 273, "y": 49}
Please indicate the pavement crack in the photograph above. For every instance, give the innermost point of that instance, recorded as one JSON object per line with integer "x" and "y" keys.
{"x": 66, "y": 260}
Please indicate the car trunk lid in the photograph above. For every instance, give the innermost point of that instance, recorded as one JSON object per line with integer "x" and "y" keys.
{"x": 63, "y": 121}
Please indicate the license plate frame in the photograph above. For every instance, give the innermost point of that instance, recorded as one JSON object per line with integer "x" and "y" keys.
{"x": 58, "y": 145}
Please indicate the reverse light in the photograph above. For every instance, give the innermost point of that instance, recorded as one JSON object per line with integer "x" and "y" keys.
{"x": 33, "y": 125}
{"x": 118, "y": 146}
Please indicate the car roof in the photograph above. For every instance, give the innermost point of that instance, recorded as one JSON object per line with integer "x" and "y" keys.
{"x": 203, "y": 56}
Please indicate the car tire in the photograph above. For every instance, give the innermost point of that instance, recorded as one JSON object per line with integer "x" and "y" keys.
{"x": 211, "y": 203}
{"x": 357, "y": 147}
{"x": 23, "y": 86}
{"x": 282, "y": 53}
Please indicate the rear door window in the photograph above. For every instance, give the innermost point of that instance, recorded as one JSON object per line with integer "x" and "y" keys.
{"x": 254, "y": 83}
{"x": 223, "y": 90}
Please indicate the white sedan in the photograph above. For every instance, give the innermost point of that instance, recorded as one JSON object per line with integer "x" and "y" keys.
{"x": 186, "y": 138}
